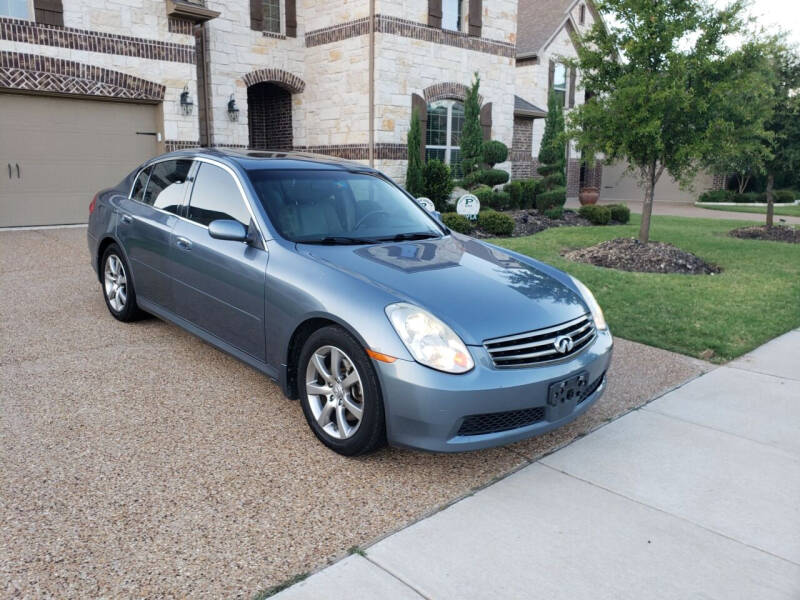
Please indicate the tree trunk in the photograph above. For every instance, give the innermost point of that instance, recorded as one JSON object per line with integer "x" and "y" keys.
{"x": 743, "y": 181}
{"x": 647, "y": 207}
{"x": 770, "y": 200}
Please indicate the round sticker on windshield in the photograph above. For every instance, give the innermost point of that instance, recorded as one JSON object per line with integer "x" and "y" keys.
{"x": 427, "y": 204}
{"x": 468, "y": 205}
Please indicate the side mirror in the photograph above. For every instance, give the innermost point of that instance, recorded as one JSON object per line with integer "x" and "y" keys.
{"x": 227, "y": 229}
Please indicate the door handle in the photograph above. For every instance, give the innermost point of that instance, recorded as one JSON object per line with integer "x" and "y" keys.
{"x": 183, "y": 243}
{"x": 17, "y": 170}
{"x": 127, "y": 219}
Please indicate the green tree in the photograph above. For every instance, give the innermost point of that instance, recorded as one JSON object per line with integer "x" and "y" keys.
{"x": 438, "y": 183}
{"x": 653, "y": 106}
{"x": 415, "y": 180}
{"x": 471, "y": 134}
{"x": 552, "y": 151}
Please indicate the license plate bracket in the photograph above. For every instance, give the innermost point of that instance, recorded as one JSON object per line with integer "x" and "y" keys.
{"x": 563, "y": 396}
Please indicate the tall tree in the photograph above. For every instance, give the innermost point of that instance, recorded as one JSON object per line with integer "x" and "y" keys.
{"x": 652, "y": 106}
{"x": 552, "y": 152}
{"x": 471, "y": 134}
{"x": 415, "y": 180}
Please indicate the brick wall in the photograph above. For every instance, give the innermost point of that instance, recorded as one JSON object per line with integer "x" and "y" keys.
{"x": 269, "y": 117}
{"x": 521, "y": 146}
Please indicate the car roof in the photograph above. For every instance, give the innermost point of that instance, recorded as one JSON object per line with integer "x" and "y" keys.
{"x": 273, "y": 159}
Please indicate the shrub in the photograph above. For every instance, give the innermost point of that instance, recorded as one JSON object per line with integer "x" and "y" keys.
{"x": 501, "y": 200}
{"x": 438, "y": 183}
{"x": 489, "y": 177}
{"x": 415, "y": 172}
{"x": 494, "y": 152}
{"x": 484, "y": 195}
{"x": 551, "y": 152}
{"x": 495, "y": 223}
{"x": 597, "y": 214}
{"x": 715, "y": 196}
{"x": 530, "y": 189}
{"x": 620, "y": 213}
{"x": 457, "y": 222}
{"x": 471, "y": 133}
{"x": 551, "y": 199}
{"x": 748, "y": 197}
{"x": 514, "y": 189}
{"x": 784, "y": 196}
{"x": 554, "y": 213}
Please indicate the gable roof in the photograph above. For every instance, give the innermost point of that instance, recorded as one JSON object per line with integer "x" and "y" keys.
{"x": 538, "y": 21}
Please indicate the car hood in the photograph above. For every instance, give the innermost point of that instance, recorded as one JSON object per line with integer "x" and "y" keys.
{"x": 477, "y": 289}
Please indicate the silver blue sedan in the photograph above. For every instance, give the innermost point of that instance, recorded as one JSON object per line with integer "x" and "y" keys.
{"x": 333, "y": 281}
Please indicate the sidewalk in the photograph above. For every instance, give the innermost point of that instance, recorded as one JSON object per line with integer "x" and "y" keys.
{"x": 694, "y": 495}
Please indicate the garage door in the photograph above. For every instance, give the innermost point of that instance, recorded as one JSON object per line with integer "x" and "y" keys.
{"x": 618, "y": 185}
{"x": 55, "y": 153}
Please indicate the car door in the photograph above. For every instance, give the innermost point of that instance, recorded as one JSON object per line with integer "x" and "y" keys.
{"x": 144, "y": 227}
{"x": 220, "y": 284}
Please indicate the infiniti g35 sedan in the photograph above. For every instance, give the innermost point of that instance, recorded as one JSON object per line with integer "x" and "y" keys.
{"x": 333, "y": 281}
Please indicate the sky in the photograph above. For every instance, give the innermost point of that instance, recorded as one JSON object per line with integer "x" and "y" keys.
{"x": 775, "y": 15}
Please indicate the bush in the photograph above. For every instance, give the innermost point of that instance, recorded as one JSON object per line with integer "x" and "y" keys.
{"x": 551, "y": 199}
{"x": 484, "y": 195}
{"x": 597, "y": 214}
{"x": 494, "y": 152}
{"x": 415, "y": 172}
{"x": 784, "y": 196}
{"x": 554, "y": 213}
{"x": 748, "y": 198}
{"x": 620, "y": 213}
{"x": 501, "y": 200}
{"x": 514, "y": 189}
{"x": 495, "y": 223}
{"x": 457, "y": 222}
{"x": 438, "y": 183}
{"x": 530, "y": 189}
{"x": 715, "y": 196}
{"x": 489, "y": 177}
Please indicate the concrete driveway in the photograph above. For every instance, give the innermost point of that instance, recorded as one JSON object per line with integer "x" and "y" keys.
{"x": 137, "y": 461}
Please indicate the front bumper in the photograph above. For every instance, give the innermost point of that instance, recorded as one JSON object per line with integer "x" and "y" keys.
{"x": 426, "y": 408}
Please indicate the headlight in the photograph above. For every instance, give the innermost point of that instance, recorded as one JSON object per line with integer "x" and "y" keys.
{"x": 594, "y": 307}
{"x": 430, "y": 342}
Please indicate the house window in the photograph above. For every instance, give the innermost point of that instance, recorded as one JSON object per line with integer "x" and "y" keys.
{"x": 560, "y": 82}
{"x": 443, "y": 133}
{"x": 582, "y": 14}
{"x": 17, "y": 9}
{"x": 272, "y": 16}
{"x": 451, "y": 15}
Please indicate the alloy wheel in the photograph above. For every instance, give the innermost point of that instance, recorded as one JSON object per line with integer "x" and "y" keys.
{"x": 116, "y": 283}
{"x": 335, "y": 392}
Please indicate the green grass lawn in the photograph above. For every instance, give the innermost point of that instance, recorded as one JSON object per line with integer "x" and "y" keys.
{"x": 783, "y": 211}
{"x": 754, "y": 299}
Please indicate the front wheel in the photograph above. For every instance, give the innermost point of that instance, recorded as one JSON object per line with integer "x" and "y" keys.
{"x": 340, "y": 394}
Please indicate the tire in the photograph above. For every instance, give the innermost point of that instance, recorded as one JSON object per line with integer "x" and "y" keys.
{"x": 117, "y": 286}
{"x": 341, "y": 393}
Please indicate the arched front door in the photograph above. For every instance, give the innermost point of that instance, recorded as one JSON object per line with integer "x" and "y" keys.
{"x": 269, "y": 116}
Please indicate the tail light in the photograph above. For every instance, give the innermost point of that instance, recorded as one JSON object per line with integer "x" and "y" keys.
{"x": 93, "y": 204}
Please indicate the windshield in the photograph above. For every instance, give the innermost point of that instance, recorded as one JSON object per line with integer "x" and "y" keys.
{"x": 339, "y": 207}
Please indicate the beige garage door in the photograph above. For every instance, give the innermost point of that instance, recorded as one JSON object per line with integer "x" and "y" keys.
{"x": 55, "y": 153}
{"x": 618, "y": 185}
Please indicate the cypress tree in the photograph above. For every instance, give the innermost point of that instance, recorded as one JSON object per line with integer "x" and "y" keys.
{"x": 552, "y": 150}
{"x": 415, "y": 181}
{"x": 471, "y": 134}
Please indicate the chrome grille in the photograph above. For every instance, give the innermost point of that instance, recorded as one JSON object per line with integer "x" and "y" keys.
{"x": 537, "y": 347}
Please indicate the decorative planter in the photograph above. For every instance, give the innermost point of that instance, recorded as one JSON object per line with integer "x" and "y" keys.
{"x": 589, "y": 195}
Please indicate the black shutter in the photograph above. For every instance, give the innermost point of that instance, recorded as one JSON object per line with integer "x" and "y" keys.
{"x": 435, "y": 13}
{"x": 49, "y": 12}
{"x": 572, "y": 86}
{"x": 486, "y": 121}
{"x": 475, "y": 17}
{"x": 418, "y": 104}
{"x": 291, "y": 18}
{"x": 551, "y": 74}
{"x": 257, "y": 15}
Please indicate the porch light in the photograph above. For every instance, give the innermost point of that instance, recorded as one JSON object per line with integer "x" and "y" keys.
{"x": 233, "y": 112}
{"x": 186, "y": 101}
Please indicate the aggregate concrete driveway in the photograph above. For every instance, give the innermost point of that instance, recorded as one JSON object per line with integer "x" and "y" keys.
{"x": 138, "y": 461}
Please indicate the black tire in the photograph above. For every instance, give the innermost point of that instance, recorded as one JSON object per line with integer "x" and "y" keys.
{"x": 371, "y": 432}
{"x": 130, "y": 311}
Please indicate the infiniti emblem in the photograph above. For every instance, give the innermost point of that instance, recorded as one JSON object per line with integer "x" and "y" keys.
{"x": 563, "y": 344}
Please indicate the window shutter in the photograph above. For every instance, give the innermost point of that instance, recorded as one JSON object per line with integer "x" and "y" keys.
{"x": 291, "y": 18}
{"x": 49, "y": 12}
{"x": 572, "y": 86}
{"x": 435, "y": 13}
{"x": 551, "y": 74}
{"x": 486, "y": 121}
{"x": 418, "y": 104}
{"x": 475, "y": 17}
{"x": 256, "y": 15}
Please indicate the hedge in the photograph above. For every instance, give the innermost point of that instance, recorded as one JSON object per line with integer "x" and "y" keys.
{"x": 596, "y": 213}
{"x": 551, "y": 199}
{"x": 779, "y": 196}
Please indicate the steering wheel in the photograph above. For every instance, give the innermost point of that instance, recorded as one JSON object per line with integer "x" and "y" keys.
{"x": 367, "y": 216}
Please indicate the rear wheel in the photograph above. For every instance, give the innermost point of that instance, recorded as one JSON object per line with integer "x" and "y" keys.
{"x": 339, "y": 393}
{"x": 118, "y": 289}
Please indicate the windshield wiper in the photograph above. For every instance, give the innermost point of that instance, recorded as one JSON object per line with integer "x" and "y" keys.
{"x": 400, "y": 237}
{"x": 338, "y": 240}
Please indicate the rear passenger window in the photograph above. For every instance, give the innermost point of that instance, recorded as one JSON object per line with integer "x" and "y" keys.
{"x": 216, "y": 196}
{"x": 140, "y": 184}
{"x": 167, "y": 185}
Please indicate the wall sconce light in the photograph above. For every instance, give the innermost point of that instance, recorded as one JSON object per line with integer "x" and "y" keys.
{"x": 186, "y": 101}
{"x": 233, "y": 112}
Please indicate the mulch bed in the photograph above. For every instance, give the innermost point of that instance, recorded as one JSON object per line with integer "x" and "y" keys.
{"x": 777, "y": 233}
{"x": 629, "y": 254}
{"x": 530, "y": 221}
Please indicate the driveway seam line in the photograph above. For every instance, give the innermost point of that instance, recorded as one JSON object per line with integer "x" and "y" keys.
{"x": 398, "y": 578}
{"x": 677, "y": 516}
{"x": 738, "y": 368}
